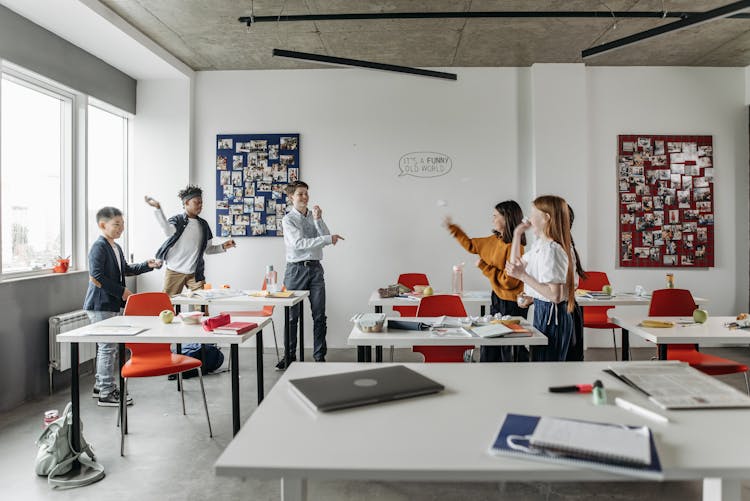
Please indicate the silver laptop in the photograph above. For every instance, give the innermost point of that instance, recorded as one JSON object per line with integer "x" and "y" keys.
{"x": 352, "y": 389}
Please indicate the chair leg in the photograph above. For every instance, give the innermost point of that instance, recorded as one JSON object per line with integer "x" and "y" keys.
{"x": 205, "y": 404}
{"x": 275, "y": 342}
{"x": 182, "y": 392}
{"x": 747, "y": 383}
{"x": 614, "y": 344}
{"x": 123, "y": 410}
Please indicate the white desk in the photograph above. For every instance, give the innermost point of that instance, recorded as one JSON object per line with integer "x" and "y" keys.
{"x": 622, "y": 299}
{"x": 247, "y": 301}
{"x": 713, "y": 331}
{"x": 364, "y": 341}
{"x": 159, "y": 332}
{"x": 445, "y": 437}
{"x": 469, "y": 298}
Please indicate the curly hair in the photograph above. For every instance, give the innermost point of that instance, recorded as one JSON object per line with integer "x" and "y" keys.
{"x": 191, "y": 191}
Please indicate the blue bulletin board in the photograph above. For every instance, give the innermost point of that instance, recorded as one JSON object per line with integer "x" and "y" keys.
{"x": 252, "y": 172}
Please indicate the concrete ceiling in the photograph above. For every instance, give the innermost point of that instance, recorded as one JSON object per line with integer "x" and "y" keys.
{"x": 206, "y": 35}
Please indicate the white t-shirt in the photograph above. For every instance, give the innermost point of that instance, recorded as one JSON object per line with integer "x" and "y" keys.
{"x": 547, "y": 262}
{"x": 184, "y": 253}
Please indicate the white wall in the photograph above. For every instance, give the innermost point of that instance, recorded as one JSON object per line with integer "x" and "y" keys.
{"x": 161, "y": 164}
{"x": 354, "y": 126}
{"x": 706, "y": 101}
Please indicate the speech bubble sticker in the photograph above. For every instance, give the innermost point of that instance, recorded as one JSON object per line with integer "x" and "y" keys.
{"x": 424, "y": 164}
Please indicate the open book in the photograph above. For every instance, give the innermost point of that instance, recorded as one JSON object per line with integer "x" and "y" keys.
{"x": 614, "y": 448}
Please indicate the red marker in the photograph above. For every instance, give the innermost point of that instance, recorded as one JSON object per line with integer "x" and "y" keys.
{"x": 574, "y": 388}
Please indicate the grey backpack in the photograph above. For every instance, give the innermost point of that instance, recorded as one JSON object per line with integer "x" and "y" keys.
{"x": 55, "y": 456}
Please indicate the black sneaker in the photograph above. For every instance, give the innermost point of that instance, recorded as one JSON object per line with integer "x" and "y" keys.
{"x": 113, "y": 400}
{"x": 281, "y": 366}
{"x": 95, "y": 393}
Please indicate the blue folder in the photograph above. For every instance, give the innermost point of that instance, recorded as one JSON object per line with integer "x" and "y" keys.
{"x": 523, "y": 425}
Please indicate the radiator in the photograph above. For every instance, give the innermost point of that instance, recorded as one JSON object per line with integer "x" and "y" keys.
{"x": 59, "y": 353}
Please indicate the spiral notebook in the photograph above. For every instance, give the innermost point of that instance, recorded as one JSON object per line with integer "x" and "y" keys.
{"x": 626, "y": 450}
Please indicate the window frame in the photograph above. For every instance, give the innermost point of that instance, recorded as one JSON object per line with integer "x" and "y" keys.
{"x": 68, "y": 155}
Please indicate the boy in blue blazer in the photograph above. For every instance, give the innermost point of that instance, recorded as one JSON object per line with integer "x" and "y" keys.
{"x": 106, "y": 295}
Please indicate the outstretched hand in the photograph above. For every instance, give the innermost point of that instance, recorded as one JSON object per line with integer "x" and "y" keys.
{"x": 336, "y": 238}
{"x": 154, "y": 263}
{"x": 153, "y": 203}
{"x": 317, "y": 212}
{"x": 229, "y": 244}
{"x": 447, "y": 221}
{"x": 515, "y": 269}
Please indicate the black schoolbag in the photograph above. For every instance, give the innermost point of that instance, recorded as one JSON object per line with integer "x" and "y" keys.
{"x": 212, "y": 361}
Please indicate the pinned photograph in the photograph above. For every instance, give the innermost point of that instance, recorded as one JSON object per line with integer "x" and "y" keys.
{"x": 670, "y": 260}
{"x": 640, "y": 224}
{"x": 627, "y": 252}
{"x": 628, "y": 146}
{"x": 700, "y": 251}
{"x": 637, "y": 159}
{"x": 668, "y": 199}
{"x": 671, "y": 247}
{"x": 237, "y": 178}
{"x": 641, "y": 252}
{"x": 659, "y": 160}
{"x": 658, "y": 202}
{"x": 709, "y": 174}
{"x": 689, "y": 227}
{"x": 702, "y": 194}
{"x": 222, "y": 204}
{"x": 258, "y": 144}
{"x": 676, "y": 181}
{"x": 642, "y": 189}
{"x": 238, "y": 230}
{"x": 702, "y": 234}
{"x": 255, "y": 219}
{"x": 654, "y": 254}
{"x": 221, "y": 163}
{"x": 658, "y": 238}
{"x": 225, "y": 178}
{"x": 244, "y": 219}
{"x": 700, "y": 182}
{"x": 692, "y": 170}
{"x": 676, "y": 158}
{"x": 280, "y": 211}
{"x": 627, "y": 219}
{"x": 673, "y": 147}
{"x": 690, "y": 215}
{"x": 706, "y": 219}
{"x": 277, "y": 190}
{"x": 658, "y": 147}
{"x": 651, "y": 178}
{"x": 238, "y": 192}
{"x": 271, "y": 206}
{"x": 647, "y": 238}
{"x": 228, "y": 191}
{"x": 249, "y": 189}
{"x": 243, "y": 147}
{"x": 260, "y": 204}
{"x": 683, "y": 199}
{"x": 637, "y": 170}
{"x": 624, "y": 170}
{"x": 703, "y": 206}
{"x": 293, "y": 174}
{"x": 628, "y": 197}
{"x": 264, "y": 187}
{"x": 687, "y": 241}
{"x": 225, "y": 219}
{"x": 286, "y": 159}
{"x": 704, "y": 162}
{"x": 270, "y": 223}
{"x": 273, "y": 151}
{"x": 279, "y": 173}
{"x": 248, "y": 205}
{"x": 235, "y": 209}
{"x": 674, "y": 216}
{"x": 663, "y": 174}
{"x": 649, "y": 220}
{"x": 687, "y": 182}
{"x": 224, "y": 144}
{"x": 252, "y": 159}
{"x": 633, "y": 207}
{"x": 648, "y": 203}
{"x": 690, "y": 148}
{"x": 687, "y": 259}
{"x": 667, "y": 232}
{"x": 644, "y": 143}
{"x": 705, "y": 150}
{"x": 237, "y": 162}
{"x": 677, "y": 169}
{"x": 259, "y": 229}
{"x": 288, "y": 143}
{"x": 226, "y": 230}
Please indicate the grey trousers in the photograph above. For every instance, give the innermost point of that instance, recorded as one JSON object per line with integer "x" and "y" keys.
{"x": 308, "y": 276}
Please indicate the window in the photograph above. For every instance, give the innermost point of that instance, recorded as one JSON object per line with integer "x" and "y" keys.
{"x": 107, "y": 165}
{"x": 35, "y": 171}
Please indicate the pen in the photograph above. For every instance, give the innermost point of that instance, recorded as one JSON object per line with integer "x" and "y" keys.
{"x": 641, "y": 411}
{"x": 573, "y": 388}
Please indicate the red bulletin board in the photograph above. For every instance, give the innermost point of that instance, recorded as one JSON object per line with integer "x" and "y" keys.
{"x": 666, "y": 199}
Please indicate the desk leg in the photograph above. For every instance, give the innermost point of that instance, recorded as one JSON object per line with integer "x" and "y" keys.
{"x": 625, "y": 345}
{"x": 662, "y": 351}
{"x": 287, "y": 337}
{"x": 234, "y": 357}
{"x": 301, "y": 339}
{"x": 259, "y": 364}
{"x": 123, "y": 389}
{"x": 378, "y": 349}
{"x": 75, "y": 397}
{"x": 481, "y": 310}
{"x": 378, "y": 309}
{"x": 378, "y": 353}
{"x": 360, "y": 353}
{"x": 293, "y": 489}
{"x": 177, "y": 309}
{"x": 368, "y": 353}
{"x": 722, "y": 489}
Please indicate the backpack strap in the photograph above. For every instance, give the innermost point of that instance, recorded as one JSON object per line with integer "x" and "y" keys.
{"x": 96, "y": 474}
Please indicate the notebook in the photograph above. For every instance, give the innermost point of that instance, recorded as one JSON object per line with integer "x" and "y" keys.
{"x": 352, "y": 389}
{"x": 235, "y": 328}
{"x": 608, "y": 447}
{"x": 676, "y": 385}
{"x": 501, "y": 330}
{"x": 113, "y": 330}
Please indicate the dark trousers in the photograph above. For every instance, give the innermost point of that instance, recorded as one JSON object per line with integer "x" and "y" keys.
{"x": 575, "y": 350}
{"x": 554, "y": 321}
{"x": 505, "y": 353}
{"x": 308, "y": 276}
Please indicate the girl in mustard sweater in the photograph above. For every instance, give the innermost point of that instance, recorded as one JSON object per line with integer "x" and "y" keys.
{"x": 493, "y": 252}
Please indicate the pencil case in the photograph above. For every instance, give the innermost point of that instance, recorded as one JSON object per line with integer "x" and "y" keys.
{"x": 211, "y": 323}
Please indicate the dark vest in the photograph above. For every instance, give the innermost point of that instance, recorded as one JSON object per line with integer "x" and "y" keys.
{"x": 180, "y": 222}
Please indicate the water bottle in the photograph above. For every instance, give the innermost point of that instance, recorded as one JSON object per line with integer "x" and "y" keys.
{"x": 270, "y": 279}
{"x": 457, "y": 281}
{"x": 670, "y": 280}
{"x": 50, "y": 416}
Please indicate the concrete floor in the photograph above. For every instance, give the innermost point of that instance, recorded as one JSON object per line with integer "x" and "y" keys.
{"x": 170, "y": 456}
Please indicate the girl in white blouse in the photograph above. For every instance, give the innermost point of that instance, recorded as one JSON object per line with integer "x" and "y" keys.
{"x": 547, "y": 269}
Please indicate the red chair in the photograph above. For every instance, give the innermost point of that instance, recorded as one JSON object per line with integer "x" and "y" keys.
{"x": 155, "y": 359}
{"x": 680, "y": 303}
{"x": 410, "y": 280}
{"x": 436, "y": 306}
{"x": 267, "y": 311}
{"x": 595, "y": 317}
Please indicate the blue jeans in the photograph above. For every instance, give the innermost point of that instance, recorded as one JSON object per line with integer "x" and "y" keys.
{"x": 309, "y": 277}
{"x": 106, "y": 357}
{"x": 554, "y": 321}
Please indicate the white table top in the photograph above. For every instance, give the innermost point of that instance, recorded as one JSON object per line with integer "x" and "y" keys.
{"x": 713, "y": 331}
{"x": 623, "y": 299}
{"x": 468, "y": 297}
{"x": 407, "y": 339}
{"x": 159, "y": 332}
{"x": 446, "y": 436}
{"x": 241, "y": 300}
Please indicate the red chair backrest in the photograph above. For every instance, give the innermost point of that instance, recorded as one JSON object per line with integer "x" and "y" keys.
{"x": 594, "y": 281}
{"x": 443, "y": 304}
{"x": 671, "y": 303}
{"x": 412, "y": 279}
{"x": 147, "y": 304}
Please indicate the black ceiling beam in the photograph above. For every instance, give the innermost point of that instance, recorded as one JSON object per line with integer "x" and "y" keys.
{"x": 693, "y": 20}
{"x": 342, "y": 61}
{"x": 249, "y": 20}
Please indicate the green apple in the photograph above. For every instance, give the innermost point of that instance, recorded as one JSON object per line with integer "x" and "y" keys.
{"x": 607, "y": 289}
{"x": 700, "y": 316}
{"x": 428, "y": 291}
{"x": 166, "y": 316}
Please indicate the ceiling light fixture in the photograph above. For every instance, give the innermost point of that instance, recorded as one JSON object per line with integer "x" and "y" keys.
{"x": 692, "y": 20}
{"x": 342, "y": 61}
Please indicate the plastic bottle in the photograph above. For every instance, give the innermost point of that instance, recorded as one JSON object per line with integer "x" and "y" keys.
{"x": 457, "y": 281}
{"x": 271, "y": 279}
{"x": 598, "y": 394}
{"x": 670, "y": 280}
{"x": 50, "y": 416}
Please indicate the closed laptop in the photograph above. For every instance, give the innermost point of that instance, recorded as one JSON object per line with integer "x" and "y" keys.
{"x": 352, "y": 389}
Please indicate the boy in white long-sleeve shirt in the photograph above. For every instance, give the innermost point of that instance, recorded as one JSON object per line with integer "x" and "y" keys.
{"x": 305, "y": 235}
{"x": 188, "y": 238}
